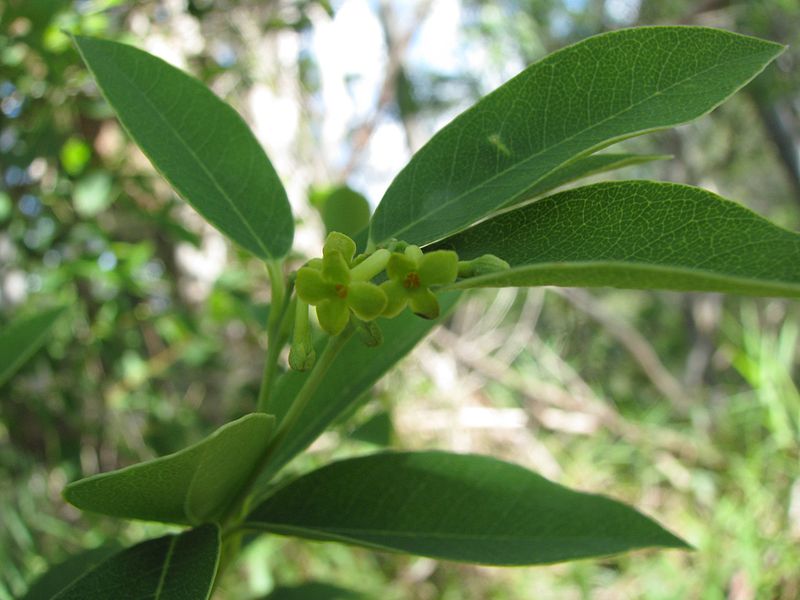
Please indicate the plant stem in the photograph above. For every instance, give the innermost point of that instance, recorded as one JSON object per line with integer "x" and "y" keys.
{"x": 324, "y": 362}
{"x": 277, "y": 310}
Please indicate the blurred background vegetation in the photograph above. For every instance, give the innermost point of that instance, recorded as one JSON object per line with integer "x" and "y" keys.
{"x": 685, "y": 405}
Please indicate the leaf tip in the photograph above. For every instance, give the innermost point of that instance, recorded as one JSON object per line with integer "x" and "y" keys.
{"x": 68, "y": 493}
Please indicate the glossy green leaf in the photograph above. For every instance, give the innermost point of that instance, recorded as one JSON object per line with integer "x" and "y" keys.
{"x": 173, "y": 567}
{"x": 456, "y": 507}
{"x": 20, "y": 339}
{"x": 197, "y": 142}
{"x": 637, "y": 234}
{"x": 60, "y": 576}
{"x": 571, "y": 103}
{"x": 354, "y": 371}
{"x": 585, "y": 167}
{"x": 194, "y": 485}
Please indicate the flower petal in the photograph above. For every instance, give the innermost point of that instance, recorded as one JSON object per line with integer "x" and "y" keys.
{"x": 339, "y": 242}
{"x": 335, "y": 269}
{"x": 423, "y": 303}
{"x": 333, "y": 316}
{"x": 438, "y": 268}
{"x": 399, "y": 266}
{"x": 311, "y": 287}
{"x": 366, "y": 300}
{"x": 397, "y": 298}
{"x": 413, "y": 253}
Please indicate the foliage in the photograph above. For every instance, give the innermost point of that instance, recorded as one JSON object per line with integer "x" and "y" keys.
{"x": 489, "y": 158}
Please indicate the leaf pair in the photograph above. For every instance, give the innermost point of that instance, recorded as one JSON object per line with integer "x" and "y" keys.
{"x": 560, "y": 109}
{"x": 448, "y": 506}
{"x": 468, "y": 508}
{"x": 532, "y": 134}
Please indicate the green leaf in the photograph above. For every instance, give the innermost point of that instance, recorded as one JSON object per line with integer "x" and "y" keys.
{"x": 194, "y": 485}
{"x": 173, "y": 567}
{"x": 22, "y": 338}
{"x": 60, "y": 576}
{"x": 584, "y": 167}
{"x": 637, "y": 234}
{"x": 197, "y": 142}
{"x": 378, "y": 430}
{"x": 313, "y": 590}
{"x": 344, "y": 210}
{"x": 455, "y": 507}
{"x": 354, "y": 371}
{"x": 572, "y": 103}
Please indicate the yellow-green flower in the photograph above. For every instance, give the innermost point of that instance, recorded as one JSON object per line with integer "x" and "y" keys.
{"x": 335, "y": 289}
{"x": 411, "y": 274}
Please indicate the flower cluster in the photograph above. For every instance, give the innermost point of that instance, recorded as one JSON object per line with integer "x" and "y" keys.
{"x": 340, "y": 286}
{"x": 337, "y": 286}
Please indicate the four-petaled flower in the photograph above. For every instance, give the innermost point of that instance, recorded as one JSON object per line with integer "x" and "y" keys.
{"x": 411, "y": 274}
{"x": 335, "y": 288}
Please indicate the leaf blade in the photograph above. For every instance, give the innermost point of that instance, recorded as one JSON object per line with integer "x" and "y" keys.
{"x": 173, "y": 567}
{"x": 456, "y": 507}
{"x": 61, "y": 575}
{"x": 169, "y": 115}
{"x": 637, "y": 234}
{"x": 20, "y": 340}
{"x": 573, "y": 102}
{"x": 191, "y": 486}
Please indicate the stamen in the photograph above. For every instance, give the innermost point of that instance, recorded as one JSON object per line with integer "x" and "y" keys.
{"x": 411, "y": 281}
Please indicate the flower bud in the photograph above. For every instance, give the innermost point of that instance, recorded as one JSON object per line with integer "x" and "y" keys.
{"x": 483, "y": 265}
{"x": 301, "y": 353}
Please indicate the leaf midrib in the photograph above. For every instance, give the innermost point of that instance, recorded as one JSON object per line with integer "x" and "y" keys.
{"x": 165, "y": 567}
{"x": 350, "y": 533}
{"x": 589, "y": 150}
{"x": 191, "y": 153}
{"x": 622, "y": 265}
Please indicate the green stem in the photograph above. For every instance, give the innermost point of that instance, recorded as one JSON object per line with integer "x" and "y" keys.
{"x": 325, "y": 360}
{"x": 239, "y": 506}
{"x": 231, "y": 547}
{"x": 277, "y": 311}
